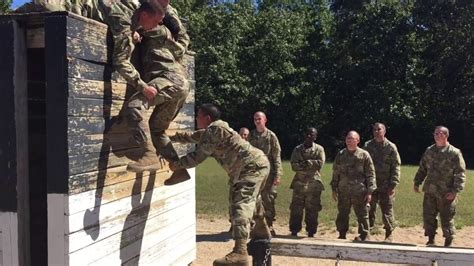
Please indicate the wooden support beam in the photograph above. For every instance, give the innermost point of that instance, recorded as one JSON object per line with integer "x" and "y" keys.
{"x": 372, "y": 252}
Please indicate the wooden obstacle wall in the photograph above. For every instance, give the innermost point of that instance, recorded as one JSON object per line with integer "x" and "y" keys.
{"x": 88, "y": 209}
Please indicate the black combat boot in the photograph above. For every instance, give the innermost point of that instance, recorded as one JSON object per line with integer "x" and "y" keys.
{"x": 448, "y": 241}
{"x": 431, "y": 241}
{"x": 388, "y": 236}
{"x": 342, "y": 235}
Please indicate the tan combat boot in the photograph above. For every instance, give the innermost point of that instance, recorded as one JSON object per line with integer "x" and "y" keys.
{"x": 238, "y": 256}
{"x": 149, "y": 161}
{"x": 178, "y": 176}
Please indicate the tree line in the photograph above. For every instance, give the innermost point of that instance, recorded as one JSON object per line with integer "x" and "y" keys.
{"x": 339, "y": 65}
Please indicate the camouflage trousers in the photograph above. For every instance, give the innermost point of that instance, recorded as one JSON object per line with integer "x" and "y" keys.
{"x": 361, "y": 209}
{"x": 386, "y": 206}
{"x": 306, "y": 199}
{"x": 244, "y": 193}
{"x": 167, "y": 104}
{"x": 269, "y": 195}
{"x": 434, "y": 204}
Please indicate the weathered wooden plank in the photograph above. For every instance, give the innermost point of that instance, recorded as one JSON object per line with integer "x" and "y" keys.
{"x": 169, "y": 252}
{"x": 57, "y": 226}
{"x": 139, "y": 214}
{"x": 96, "y": 33}
{"x": 371, "y": 252}
{"x": 92, "y": 198}
{"x": 86, "y": 49}
{"x": 78, "y": 68}
{"x": 88, "y": 181}
{"x": 9, "y": 225}
{"x": 108, "y": 212}
{"x": 123, "y": 247}
{"x": 83, "y": 88}
{"x": 99, "y": 125}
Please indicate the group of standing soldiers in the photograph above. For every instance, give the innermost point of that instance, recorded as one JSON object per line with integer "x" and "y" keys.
{"x": 365, "y": 177}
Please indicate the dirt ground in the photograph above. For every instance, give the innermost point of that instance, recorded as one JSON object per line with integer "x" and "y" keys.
{"x": 214, "y": 241}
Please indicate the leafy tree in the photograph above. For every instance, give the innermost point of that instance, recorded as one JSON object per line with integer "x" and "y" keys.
{"x": 5, "y": 6}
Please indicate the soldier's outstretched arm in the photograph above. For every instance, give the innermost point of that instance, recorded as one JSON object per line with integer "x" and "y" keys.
{"x": 205, "y": 148}
{"x": 188, "y": 136}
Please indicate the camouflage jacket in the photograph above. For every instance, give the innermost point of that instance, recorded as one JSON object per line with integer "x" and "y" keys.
{"x": 387, "y": 163}
{"x": 121, "y": 18}
{"x": 268, "y": 143}
{"x": 224, "y": 144}
{"x": 159, "y": 53}
{"x": 188, "y": 136}
{"x": 353, "y": 172}
{"x": 442, "y": 170}
{"x": 307, "y": 163}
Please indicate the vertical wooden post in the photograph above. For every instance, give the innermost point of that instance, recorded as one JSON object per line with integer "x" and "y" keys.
{"x": 14, "y": 191}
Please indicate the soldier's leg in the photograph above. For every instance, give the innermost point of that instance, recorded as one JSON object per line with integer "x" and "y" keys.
{"x": 361, "y": 210}
{"x": 296, "y": 210}
{"x": 244, "y": 199}
{"x": 447, "y": 210}
{"x": 388, "y": 216}
{"x": 430, "y": 211}
{"x": 269, "y": 195}
{"x": 342, "y": 219}
{"x": 312, "y": 209}
{"x": 135, "y": 116}
{"x": 373, "y": 208}
{"x": 168, "y": 101}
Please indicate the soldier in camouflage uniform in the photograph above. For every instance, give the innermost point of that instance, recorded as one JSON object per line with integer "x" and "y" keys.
{"x": 166, "y": 87}
{"x": 244, "y": 133}
{"x": 160, "y": 56}
{"x": 442, "y": 169}
{"x": 307, "y": 160}
{"x": 353, "y": 182}
{"x": 387, "y": 171}
{"x": 264, "y": 139}
{"x": 247, "y": 167}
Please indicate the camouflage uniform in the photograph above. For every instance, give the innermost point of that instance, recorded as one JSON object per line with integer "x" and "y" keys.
{"x": 442, "y": 170}
{"x": 268, "y": 143}
{"x": 307, "y": 187}
{"x": 387, "y": 171}
{"x": 353, "y": 178}
{"x": 160, "y": 55}
{"x": 246, "y": 166}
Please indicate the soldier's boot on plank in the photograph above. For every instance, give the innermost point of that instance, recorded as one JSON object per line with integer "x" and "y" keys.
{"x": 342, "y": 235}
{"x": 166, "y": 149}
{"x": 149, "y": 161}
{"x": 388, "y": 236}
{"x": 260, "y": 229}
{"x": 431, "y": 241}
{"x": 238, "y": 256}
{"x": 448, "y": 241}
{"x": 362, "y": 237}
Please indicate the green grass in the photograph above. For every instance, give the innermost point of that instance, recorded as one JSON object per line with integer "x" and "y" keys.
{"x": 212, "y": 197}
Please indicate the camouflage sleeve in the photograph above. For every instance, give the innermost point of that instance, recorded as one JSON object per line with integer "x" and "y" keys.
{"x": 188, "y": 136}
{"x": 119, "y": 22}
{"x": 422, "y": 171}
{"x": 205, "y": 148}
{"x": 317, "y": 164}
{"x": 335, "y": 173}
{"x": 395, "y": 168}
{"x": 174, "y": 24}
{"x": 459, "y": 173}
{"x": 369, "y": 171}
{"x": 297, "y": 162}
{"x": 276, "y": 157}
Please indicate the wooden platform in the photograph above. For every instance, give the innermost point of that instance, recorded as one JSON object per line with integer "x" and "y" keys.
{"x": 372, "y": 252}
{"x": 86, "y": 208}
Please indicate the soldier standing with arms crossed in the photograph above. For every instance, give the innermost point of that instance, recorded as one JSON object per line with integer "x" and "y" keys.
{"x": 307, "y": 160}
{"x": 353, "y": 182}
{"x": 442, "y": 169}
{"x": 264, "y": 139}
{"x": 387, "y": 171}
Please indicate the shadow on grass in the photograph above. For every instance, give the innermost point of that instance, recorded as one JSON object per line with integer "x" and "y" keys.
{"x": 214, "y": 237}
